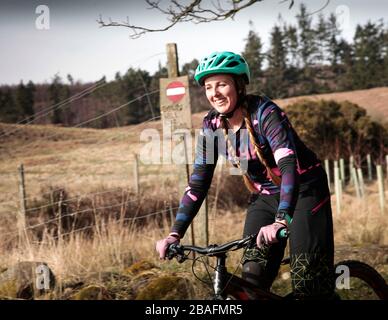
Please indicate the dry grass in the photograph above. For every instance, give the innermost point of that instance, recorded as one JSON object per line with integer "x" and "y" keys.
{"x": 116, "y": 245}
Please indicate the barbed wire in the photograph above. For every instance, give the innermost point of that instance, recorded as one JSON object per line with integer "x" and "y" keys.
{"x": 76, "y": 198}
{"x": 119, "y": 221}
{"x": 98, "y": 117}
{"x": 87, "y": 210}
{"x": 133, "y": 128}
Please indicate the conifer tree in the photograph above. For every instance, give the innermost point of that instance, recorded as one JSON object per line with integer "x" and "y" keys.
{"x": 254, "y": 56}
{"x": 368, "y": 55}
{"x": 276, "y": 85}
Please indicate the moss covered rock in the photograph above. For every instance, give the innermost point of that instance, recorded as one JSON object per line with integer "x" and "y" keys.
{"x": 167, "y": 288}
{"x": 139, "y": 267}
{"x": 26, "y": 280}
{"x": 92, "y": 292}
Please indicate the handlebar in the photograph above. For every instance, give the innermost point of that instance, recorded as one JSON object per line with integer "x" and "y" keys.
{"x": 178, "y": 250}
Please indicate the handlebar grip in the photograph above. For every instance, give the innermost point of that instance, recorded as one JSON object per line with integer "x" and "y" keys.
{"x": 283, "y": 233}
{"x": 171, "y": 251}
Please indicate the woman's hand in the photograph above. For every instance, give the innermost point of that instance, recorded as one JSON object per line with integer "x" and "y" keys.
{"x": 162, "y": 245}
{"x": 267, "y": 234}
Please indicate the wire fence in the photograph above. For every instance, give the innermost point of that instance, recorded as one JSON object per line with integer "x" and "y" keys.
{"x": 56, "y": 219}
{"x": 99, "y": 142}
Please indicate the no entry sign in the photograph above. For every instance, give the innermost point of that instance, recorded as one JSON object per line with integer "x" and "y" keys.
{"x": 175, "y": 91}
{"x": 175, "y": 103}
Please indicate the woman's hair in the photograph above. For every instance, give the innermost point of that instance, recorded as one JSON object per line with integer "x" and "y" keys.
{"x": 242, "y": 101}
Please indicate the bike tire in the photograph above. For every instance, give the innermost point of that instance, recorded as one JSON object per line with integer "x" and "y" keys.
{"x": 367, "y": 274}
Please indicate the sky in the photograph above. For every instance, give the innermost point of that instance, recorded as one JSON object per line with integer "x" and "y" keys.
{"x": 75, "y": 44}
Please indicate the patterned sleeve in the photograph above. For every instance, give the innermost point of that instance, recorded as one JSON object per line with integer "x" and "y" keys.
{"x": 200, "y": 180}
{"x": 278, "y": 132}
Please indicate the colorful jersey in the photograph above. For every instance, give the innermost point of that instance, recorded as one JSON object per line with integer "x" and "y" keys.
{"x": 285, "y": 153}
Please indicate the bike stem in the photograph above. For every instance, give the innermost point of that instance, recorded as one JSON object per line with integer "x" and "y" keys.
{"x": 219, "y": 279}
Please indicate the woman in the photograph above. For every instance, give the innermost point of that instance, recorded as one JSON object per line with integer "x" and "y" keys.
{"x": 285, "y": 178}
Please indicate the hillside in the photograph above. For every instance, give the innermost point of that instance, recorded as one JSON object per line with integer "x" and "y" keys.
{"x": 374, "y": 100}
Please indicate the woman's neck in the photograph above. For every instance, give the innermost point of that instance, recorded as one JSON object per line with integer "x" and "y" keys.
{"x": 236, "y": 121}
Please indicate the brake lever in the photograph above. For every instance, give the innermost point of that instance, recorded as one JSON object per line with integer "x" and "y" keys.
{"x": 173, "y": 250}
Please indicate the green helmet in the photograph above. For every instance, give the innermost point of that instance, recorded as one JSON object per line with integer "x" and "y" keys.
{"x": 222, "y": 62}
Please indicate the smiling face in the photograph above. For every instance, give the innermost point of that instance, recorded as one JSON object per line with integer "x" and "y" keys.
{"x": 221, "y": 92}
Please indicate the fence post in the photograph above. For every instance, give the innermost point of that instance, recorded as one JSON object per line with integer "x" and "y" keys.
{"x": 23, "y": 205}
{"x": 355, "y": 181}
{"x": 361, "y": 182}
{"x": 386, "y": 164}
{"x": 201, "y": 227}
{"x": 327, "y": 168}
{"x": 369, "y": 162}
{"x": 171, "y": 213}
{"x": 337, "y": 186}
{"x": 351, "y": 165}
{"x": 60, "y": 228}
{"x": 136, "y": 173}
{"x": 380, "y": 180}
{"x": 342, "y": 168}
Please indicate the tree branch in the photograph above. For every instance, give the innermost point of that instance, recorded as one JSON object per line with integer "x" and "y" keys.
{"x": 196, "y": 12}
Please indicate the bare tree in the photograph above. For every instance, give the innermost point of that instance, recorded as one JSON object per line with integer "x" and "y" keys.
{"x": 196, "y": 11}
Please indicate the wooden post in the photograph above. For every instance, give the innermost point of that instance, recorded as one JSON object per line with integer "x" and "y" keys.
{"x": 59, "y": 231}
{"x": 23, "y": 204}
{"x": 342, "y": 171}
{"x": 172, "y": 60}
{"x": 380, "y": 180}
{"x": 327, "y": 168}
{"x": 136, "y": 173}
{"x": 369, "y": 162}
{"x": 351, "y": 165}
{"x": 386, "y": 164}
{"x": 355, "y": 181}
{"x": 361, "y": 182}
{"x": 171, "y": 213}
{"x": 337, "y": 182}
{"x": 184, "y": 181}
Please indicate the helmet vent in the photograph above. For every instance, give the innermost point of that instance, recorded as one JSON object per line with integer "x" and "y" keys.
{"x": 232, "y": 64}
{"x": 220, "y": 61}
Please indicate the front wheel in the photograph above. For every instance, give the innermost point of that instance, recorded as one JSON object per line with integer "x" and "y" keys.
{"x": 355, "y": 279}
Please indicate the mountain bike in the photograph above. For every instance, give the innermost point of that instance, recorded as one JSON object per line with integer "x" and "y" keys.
{"x": 228, "y": 286}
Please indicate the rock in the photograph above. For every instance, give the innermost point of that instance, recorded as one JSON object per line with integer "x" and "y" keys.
{"x": 26, "y": 280}
{"x": 139, "y": 267}
{"x": 92, "y": 292}
{"x": 167, "y": 288}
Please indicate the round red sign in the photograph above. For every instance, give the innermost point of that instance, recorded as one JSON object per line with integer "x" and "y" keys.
{"x": 175, "y": 91}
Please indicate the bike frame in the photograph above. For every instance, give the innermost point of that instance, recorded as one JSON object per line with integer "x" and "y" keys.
{"x": 225, "y": 283}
